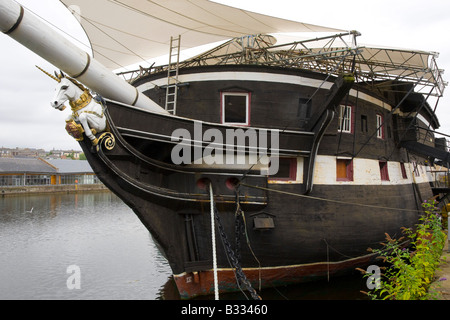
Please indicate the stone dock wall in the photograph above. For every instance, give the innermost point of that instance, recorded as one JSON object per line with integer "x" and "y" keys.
{"x": 22, "y": 190}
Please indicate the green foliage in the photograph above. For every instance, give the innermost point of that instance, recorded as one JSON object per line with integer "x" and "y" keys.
{"x": 410, "y": 271}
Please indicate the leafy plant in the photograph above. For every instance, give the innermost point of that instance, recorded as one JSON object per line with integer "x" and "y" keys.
{"x": 409, "y": 270}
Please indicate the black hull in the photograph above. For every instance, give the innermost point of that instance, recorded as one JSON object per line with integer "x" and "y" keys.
{"x": 353, "y": 138}
{"x": 318, "y": 229}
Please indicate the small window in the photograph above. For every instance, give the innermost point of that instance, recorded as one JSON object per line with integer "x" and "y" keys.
{"x": 344, "y": 170}
{"x": 403, "y": 169}
{"x": 364, "y": 128}
{"x": 287, "y": 170}
{"x": 384, "y": 171}
{"x": 380, "y": 127}
{"x": 236, "y": 108}
{"x": 304, "y": 108}
{"x": 304, "y": 111}
{"x": 345, "y": 119}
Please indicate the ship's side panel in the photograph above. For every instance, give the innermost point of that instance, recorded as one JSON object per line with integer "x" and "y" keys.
{"x": 363, "y": 185}
{"x": 285, "y": 100}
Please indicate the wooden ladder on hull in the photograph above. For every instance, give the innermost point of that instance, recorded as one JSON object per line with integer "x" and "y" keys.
{"x": 172, "y": 75}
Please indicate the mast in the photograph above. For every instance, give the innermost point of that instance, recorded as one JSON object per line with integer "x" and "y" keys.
{"x": 27, "y": 29}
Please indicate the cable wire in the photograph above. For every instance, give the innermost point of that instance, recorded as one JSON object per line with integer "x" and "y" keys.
{"x": 328, "y": 200}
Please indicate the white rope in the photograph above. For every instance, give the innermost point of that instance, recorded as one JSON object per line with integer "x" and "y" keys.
{"x": 213, "y": 240}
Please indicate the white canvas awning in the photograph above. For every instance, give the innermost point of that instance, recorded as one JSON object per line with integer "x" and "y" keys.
{"x": 333, "y": 54}
{"x": 125, "y": 32}
{"x": 418, "y": 67}
{"x": 404, "y": 65}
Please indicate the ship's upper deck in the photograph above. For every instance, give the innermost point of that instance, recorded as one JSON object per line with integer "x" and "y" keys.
{"x": 330, "y": 55}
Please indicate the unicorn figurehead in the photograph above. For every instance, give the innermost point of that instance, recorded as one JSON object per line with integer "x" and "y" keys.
{"x": 85, "y": 109}
{"x": 66, "y": 90}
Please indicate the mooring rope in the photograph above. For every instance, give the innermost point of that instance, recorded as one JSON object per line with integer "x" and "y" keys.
{"x": 231, "y": 256}
{"x": 213, "y": 241}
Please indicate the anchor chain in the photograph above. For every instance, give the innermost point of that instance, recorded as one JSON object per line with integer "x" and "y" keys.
{"x": 235, "y": 258}
{"x": 238, "y": 230}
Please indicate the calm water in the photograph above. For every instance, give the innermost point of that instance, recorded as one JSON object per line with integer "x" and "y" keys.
{"x": 116, "y": 256}
{"x": 41, "y": 236}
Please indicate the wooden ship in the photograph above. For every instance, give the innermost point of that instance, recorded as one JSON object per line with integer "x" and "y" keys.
{"x": 257, "y": 163}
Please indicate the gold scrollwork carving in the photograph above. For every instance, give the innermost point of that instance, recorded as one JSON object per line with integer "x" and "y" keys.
{"x": 108, "y": 140}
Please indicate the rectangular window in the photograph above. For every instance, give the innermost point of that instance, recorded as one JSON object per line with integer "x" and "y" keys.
{"x": 364, "y": 128}
{"x": 12, "y": 180}
{"x": 235, "y": 108}
{"x": 380, "y": 127}
{"x": 384, "y": 171}
{"x": 304, "y": 108}
{"x": 37, "y": 180}
{"x": 287, "y": 170}
{"x": 403, "y": 169}
{"x": 304, "y": 111}
{"x": 344, "y": 170}
{"x": 345, "y": 119}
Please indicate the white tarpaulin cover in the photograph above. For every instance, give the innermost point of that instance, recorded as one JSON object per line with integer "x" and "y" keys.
{"x": 400, "y": 64}
{"x": 125, "y": 32}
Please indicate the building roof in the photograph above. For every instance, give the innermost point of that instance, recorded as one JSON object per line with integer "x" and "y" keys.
{"x": 71, "y": 166}
{"x": 40, "y": 166}
{"x": 26, "y": 165}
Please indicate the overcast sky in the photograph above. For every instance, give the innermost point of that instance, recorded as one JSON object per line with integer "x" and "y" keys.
{"x": 27, "y": 120}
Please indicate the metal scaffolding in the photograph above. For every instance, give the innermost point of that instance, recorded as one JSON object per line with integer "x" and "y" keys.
{"x": 330, "y": 55}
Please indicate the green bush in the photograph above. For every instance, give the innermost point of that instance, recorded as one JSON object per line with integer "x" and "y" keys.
{"x": 410, "y": 270}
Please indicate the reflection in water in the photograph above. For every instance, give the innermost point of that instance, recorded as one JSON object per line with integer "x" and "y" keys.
{"x": 42, "y": 235}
